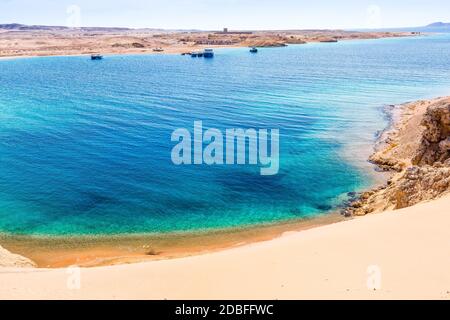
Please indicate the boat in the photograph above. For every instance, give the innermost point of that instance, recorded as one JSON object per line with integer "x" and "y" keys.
{"x": 197, "y": 54}
{"x": 253, "y": 50}
{"x": 159, "y": 49}
{"x": 208, "y": 53}
{"x": 96, "y": 57}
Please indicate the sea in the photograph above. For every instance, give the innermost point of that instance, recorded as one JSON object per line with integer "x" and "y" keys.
{"x": 85, "y": 146}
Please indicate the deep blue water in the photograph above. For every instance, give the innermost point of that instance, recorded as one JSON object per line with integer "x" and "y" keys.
{"x": 85, "y": 146}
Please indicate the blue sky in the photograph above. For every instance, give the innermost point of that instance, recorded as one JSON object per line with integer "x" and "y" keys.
{"x": 235, "y": 14}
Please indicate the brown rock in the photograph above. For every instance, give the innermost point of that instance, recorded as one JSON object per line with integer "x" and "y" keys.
{"x": 435, "y": 145}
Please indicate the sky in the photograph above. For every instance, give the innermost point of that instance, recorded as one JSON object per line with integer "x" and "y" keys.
{"x": 234, "y": 14}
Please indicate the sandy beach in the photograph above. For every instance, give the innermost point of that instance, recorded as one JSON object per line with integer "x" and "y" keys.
{"x": 401, "y": 254}
{"x": 59, "y": 252}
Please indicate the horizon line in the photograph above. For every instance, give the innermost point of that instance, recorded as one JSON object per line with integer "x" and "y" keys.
{"x": 219, "y": 30}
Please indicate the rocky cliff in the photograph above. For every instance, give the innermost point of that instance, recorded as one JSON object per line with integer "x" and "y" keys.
{"x": 435, "y": 143}
{"x": 417, "y": 150}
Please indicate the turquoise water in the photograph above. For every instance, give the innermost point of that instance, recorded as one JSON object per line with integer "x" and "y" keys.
{"x": 85, "y": 146}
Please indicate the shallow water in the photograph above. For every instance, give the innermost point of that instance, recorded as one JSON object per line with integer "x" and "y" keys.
{"x": 85, "y": 146}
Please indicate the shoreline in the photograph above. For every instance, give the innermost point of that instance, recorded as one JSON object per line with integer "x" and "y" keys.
{"x": 322, "y": 261}
{"x": 413, "y": 152}
{"x": 267, "y": 39}
{"x": 94, "y": 251}
{"x": 329, "y": 262}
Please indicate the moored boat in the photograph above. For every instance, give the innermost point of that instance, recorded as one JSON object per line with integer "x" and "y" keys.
{"x": 208, "y": 53}
{"x": 96, "y": 57}
{"x": 197, "y": 54}
{"x": 253, "y": 50}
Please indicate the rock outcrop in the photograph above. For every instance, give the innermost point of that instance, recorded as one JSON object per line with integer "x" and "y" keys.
{"x": 435, "y": 144}
{"x": 420, "y": 183}
{"x": 417, "y": 151}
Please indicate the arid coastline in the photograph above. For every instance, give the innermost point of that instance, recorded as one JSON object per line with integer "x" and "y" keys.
{"x": 29, "y": 42}
{"x": 396, "y": 152}
{"x": 415, "y": 150}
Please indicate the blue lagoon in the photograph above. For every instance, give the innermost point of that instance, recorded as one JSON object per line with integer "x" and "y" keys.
{"x": 85, "y": 146}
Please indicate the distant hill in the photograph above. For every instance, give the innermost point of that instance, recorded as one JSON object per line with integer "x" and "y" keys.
{"x": 441, "y": 27}
{"x": 18, "y": 26}
{"x": 438, "y": 27}
{"x": 23, "y": 27}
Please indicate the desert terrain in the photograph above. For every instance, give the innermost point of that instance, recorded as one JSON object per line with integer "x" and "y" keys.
{"x": 20, "y": 40}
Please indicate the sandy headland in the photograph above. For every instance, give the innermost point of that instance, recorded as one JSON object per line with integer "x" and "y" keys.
{"x": 400, "y": 253}
{"x": 28, "y": 41}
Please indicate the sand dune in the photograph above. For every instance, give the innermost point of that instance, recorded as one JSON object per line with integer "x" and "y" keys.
{"x": 401, "y": 254}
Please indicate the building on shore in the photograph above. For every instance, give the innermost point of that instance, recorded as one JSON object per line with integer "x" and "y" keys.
{"x": 227, "y": 31}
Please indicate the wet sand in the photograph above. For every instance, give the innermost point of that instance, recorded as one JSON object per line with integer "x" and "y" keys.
{"x": 55, "y": 252}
